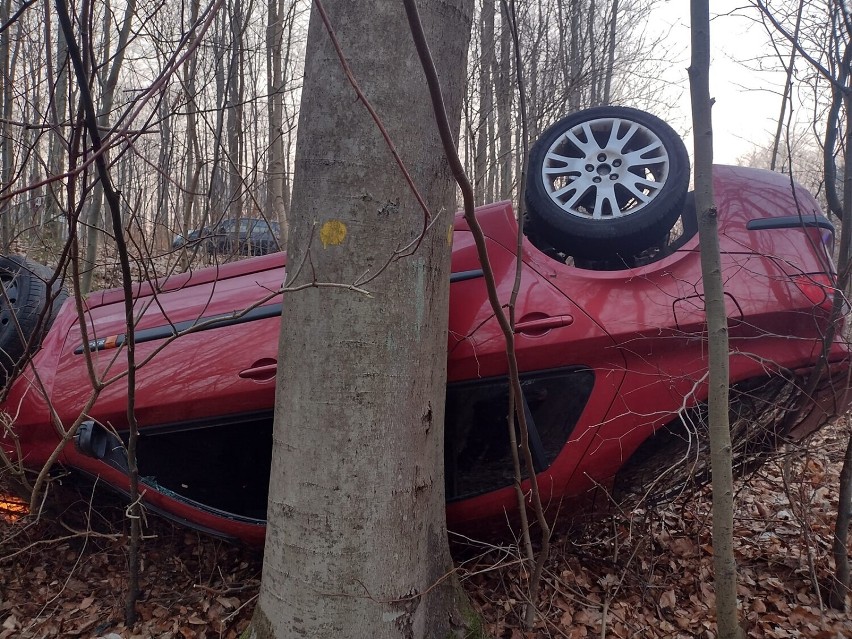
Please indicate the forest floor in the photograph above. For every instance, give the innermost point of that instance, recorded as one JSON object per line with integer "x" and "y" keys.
{"x": 643, "y": 573}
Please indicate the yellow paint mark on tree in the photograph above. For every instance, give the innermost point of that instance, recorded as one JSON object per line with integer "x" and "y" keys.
{"x": 332, "y": 233}
{"x": 450, "y": 235}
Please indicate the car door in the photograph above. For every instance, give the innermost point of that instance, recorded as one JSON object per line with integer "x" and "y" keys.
{"x": 221, "y": 363}
{"x": 570, "y": 374}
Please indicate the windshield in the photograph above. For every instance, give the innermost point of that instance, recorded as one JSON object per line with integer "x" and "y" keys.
{"x": 249, "y": 225}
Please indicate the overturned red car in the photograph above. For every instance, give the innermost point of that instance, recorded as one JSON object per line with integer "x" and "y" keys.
{"x": 611, "y": 343}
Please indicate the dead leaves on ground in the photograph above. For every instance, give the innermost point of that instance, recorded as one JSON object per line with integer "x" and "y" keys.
{"x": 193, "y": 587}
{"x": 637, "y": 574}
{"x": 649, "y": 574}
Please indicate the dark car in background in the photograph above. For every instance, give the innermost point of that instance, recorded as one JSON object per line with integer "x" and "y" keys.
{"x": 610, "y": 331}
{"x": 244, "y": 236}
{"x": 191, "y": 239}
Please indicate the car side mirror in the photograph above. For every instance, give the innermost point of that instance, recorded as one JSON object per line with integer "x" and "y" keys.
{"x": 93, "y": 440}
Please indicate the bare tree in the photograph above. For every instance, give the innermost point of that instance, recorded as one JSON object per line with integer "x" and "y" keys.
{"x": 227, "y": 125}
{"x": 358, "y": 445}
{"x": 724, "y": 564}
{"x": 275, "y": 206}
{"x": 6, "y": 142}
{"x": 575, "y": 54}
{"x": 503, "y": 80}
{"x": 788, "y": 88}
{"x": 110, "y": 67}
{"x": 486, "y": 106}
{"x": 820, "y": 35}
{"x": 235, "y": 96}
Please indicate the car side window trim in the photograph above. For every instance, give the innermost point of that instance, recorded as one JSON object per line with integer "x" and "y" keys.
{"x": 539, "y": 457}
{"x": 461, "y": 276}
{"x": 173, "y": 330}
{"x": 790, "y": 222}
{"x": 213, "y": 321}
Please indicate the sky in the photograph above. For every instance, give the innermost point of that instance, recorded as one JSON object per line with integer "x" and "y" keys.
{"x": 747, "y": 101}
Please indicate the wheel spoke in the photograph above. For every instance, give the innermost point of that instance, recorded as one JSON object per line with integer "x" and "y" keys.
{"x": 613, "y": 133}
{"x": 581, "y": 190}
{"x": 646, "y": 182}
{"x": 605, "y": 193}
{"x": 582, "y": 182}
{"x": 569, "y": 163}
{"x": 591, "y": 142}
{"x": 634, "y": 158}
{"x": 622, "y": 142}
{"x": 587, "y": 147}
{"x": 571, "y": 186}
{"x": 560, "y": 170}
{"x": 643, "y": 196}
{"x": 573, "y": 139}
{"x": 556, "y": 157}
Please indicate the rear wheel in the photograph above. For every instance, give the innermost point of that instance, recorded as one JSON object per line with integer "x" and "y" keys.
{"x": 27, "y": 309}
{"x": 607, "y": 181}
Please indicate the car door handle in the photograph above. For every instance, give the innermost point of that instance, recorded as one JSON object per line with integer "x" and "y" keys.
{"x": 537, "y": 325}
{"x": 262, "y": 370}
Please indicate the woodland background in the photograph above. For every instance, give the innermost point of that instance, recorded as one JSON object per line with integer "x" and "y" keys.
{"x": 198, "y": 108}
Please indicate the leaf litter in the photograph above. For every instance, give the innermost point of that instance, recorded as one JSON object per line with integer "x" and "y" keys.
{"x": 643, "y": 572}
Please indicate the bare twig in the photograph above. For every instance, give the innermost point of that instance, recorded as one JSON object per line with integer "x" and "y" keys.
{"x": 114, "y": 204}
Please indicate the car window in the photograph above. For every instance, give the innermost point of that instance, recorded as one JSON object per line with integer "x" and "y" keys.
{"x": 477, "y": 451}
{"x": 239, "y": 449}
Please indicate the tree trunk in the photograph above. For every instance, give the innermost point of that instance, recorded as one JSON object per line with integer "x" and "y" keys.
{"x": 275, "y": 110}
{"x": 217, "y": 197}
{"x": 193, "y": 159}
{"x": 840, "y": 587}
{"x": 57, "y": 73}
{"x": 356, "y": 542}
{"x": 504, "y": 106}
{"x": 724, "y": 564}
{"x": 288, "y": 126}
{"x": 610, "y": 62}
{"x": 162, "y": 223}
{"x": 486, "y": 53}
{"x": 574, "y": 66}
{"x": 109, "y": 80}
{"x": 592, "y": 55}
{"x": 235, "y": 112}
{"x": 6, "y": 156}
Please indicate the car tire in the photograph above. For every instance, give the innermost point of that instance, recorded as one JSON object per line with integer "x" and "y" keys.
{"x": 23, "y": 316}
{"x": 606, "y": 182}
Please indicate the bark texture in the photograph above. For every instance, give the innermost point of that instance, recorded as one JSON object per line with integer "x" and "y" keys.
{"x": 356, "y": 543}
{"x": 840, "y": 587}
{"x": 6, "y": 158}
{"x": 724, "y": 564}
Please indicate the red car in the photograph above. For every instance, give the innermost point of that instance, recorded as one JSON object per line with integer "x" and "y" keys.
{"x": 610, "y": 327}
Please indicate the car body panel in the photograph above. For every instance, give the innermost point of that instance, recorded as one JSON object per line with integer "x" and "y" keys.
{"x": 638, "y": 333}
{"x": 163, "y": 385}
